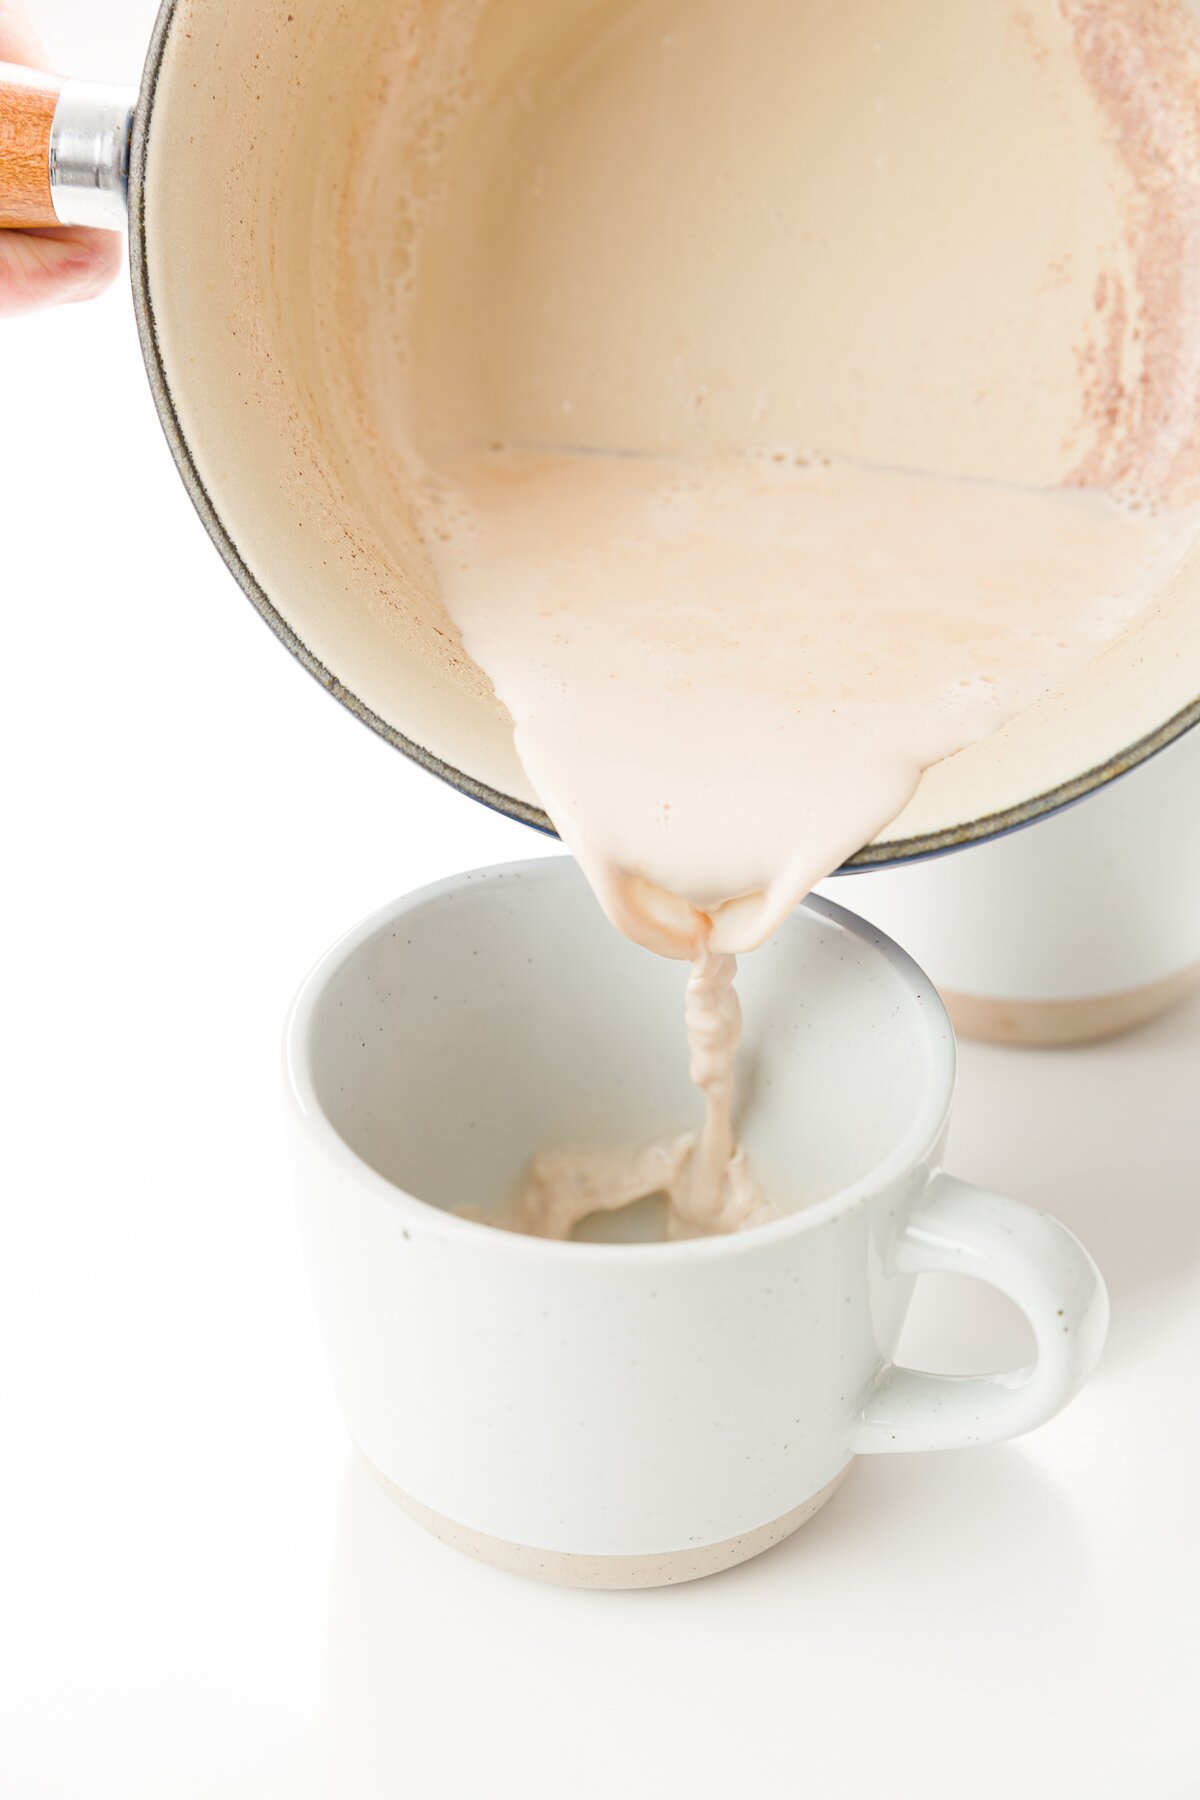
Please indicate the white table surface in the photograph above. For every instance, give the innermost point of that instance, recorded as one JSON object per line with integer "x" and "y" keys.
{"x": 201, "y": 1591}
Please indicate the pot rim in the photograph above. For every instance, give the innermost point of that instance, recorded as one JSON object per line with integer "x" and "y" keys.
{"x": 896, "y": 851}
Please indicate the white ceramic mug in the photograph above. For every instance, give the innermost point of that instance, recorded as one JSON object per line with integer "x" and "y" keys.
{"x": 1085, "y": 924}
{"x": 625, "y": 1415}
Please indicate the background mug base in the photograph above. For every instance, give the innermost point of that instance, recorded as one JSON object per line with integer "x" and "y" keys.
{"x": 1057, "y": 1022}
{"x": 568, "y": 1568}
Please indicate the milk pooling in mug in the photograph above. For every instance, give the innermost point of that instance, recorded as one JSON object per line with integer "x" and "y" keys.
{"x": 796, "y": 393}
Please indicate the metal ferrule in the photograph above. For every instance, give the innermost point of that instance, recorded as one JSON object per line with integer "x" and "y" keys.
{"x": 89, "y": 154}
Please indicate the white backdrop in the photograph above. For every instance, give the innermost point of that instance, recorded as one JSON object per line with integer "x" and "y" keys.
{"x": 201, "y": 1593}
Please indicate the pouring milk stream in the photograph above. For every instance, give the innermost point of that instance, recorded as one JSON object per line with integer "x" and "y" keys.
{"x": 729, "y": 650}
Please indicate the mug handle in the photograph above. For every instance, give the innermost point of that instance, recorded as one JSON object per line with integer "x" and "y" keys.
{"x": 1035, "y": 1261}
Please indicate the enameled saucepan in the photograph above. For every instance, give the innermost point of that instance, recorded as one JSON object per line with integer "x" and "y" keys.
{"x": 250, "y": 171}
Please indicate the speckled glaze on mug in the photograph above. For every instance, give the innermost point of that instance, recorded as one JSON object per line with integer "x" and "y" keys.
{"x": 625, "y": 1415}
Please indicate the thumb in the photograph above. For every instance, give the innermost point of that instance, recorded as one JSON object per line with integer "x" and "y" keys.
{"x": 41, "y": 268}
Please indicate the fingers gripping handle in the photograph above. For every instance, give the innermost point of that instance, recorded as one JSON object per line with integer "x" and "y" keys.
{"x": 1035, "y": 1261}
{"x": 64, "y": 151}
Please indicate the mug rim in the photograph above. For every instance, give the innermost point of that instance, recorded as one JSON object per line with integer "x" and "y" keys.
{"x": 913, "y": 1149}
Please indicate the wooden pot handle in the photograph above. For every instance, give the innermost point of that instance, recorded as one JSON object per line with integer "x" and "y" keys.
{"x": 27, "y": 103}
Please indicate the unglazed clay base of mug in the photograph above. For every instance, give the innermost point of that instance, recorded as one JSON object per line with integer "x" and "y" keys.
{"x": 567, "y": 1568}
{"x": 1059, "y": 1022}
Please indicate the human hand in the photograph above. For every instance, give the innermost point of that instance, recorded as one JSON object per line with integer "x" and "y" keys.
{"x": 44, "y": 267}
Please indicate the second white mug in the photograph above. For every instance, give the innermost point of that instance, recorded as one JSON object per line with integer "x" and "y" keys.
{"x": 1080, "y": 926}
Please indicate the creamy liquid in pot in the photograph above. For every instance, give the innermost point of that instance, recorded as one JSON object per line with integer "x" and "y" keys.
{"x": 796, "y": 393}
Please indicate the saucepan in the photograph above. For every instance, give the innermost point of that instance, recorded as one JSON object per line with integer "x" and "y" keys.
{"x": 266, "y": 215}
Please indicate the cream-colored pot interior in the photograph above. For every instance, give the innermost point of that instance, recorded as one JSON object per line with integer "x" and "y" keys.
{"x": 275, "y": 172}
